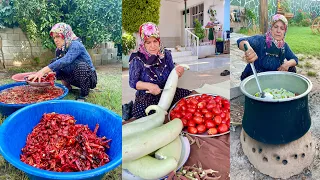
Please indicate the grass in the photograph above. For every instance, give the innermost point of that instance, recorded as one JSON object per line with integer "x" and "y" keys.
{"x": 308, "y": 65}
{"x": 311, "y": 73}
{"x": 300, "y": 65}
{"x": 301, "y": 40}
{"x": 108, "y": 93}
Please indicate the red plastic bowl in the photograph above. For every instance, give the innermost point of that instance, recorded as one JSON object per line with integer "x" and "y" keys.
{"x": 20, "y": 77}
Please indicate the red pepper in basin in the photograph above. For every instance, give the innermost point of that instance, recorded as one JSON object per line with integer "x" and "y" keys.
{"x": 58, "y": 144}
{"x": 26, "y": 94}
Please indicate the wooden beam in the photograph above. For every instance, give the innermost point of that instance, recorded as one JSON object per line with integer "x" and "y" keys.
{"x": 263, "y": 16}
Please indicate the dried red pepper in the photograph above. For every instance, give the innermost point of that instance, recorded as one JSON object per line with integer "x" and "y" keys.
{"x": 58, "y": 144}
{"x": 27, "y": 94}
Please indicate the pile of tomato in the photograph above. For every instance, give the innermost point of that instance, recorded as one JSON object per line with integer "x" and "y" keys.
{"x": 203, "y": 114}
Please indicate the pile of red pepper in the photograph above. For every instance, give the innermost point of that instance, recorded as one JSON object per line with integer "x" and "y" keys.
{"x": 58, "y": 144}
{"x": 49, "y": 78}
{"x": 27, "y": 94}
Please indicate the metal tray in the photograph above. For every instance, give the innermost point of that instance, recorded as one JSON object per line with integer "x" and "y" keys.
{"x": 205, "y": 134}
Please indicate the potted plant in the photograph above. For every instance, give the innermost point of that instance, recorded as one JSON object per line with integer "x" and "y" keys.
{"x": 219, "y": 45}
{"x": 285, "y": 4}
{"x": 128, "y": 43}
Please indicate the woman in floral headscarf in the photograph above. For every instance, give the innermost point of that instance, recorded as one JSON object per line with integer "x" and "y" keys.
{"x": 72, "y": 65}
{"x": 269, "y": 51}
{"x": 149, "y": 69}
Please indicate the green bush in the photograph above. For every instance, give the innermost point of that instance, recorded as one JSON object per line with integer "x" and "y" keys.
{"x": 94, "y": 22}
{"x": 137, "y": 12}
{"x": 302, "y": 18}
{"x": 199, "y": 30}
{"x": 128, "y": 43}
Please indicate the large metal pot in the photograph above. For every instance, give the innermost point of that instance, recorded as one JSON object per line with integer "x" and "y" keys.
{"x": 276, "y": 121}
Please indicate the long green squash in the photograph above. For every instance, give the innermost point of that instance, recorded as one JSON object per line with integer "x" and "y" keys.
{"x": 170, "y": 88}
{"x": 148, "y": 167}
{"x": 145, "y": 123}
{"x": 173, "y": 149}
{"x": 142, "y": 144}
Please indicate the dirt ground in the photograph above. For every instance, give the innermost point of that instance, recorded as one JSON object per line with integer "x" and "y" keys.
{"x": 241, "y": 168}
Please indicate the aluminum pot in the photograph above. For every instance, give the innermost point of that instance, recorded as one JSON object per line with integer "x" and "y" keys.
{"x": 276, "y": 121}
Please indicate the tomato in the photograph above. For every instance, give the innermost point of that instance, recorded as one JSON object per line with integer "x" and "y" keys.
{"x": 204, "y": 111}
{"x": 184, "y": 108}
{"x": 224, "y": 110}
{"x": 192, "y": 130}
{"x": 216, "y": 111}
{"x": 209, "y": 124}
{"x": 172, "y": 115}
{"x": 223, "y": 121}
{"x": 197, "y": 98}
{"x": 228, "y": 123}
{"x": 198, "y": 114}
{"x": 192, "y": 106}
{"x": 222, "y": 128}
{"x": 217, "y": 99}
{"x": 202, "y": 105}
{"x": 178, "y": 115}
{"x": 201, "y": 128}
{"x": 183, "y": 113}
{"x": 203, "y": 96}
{"x": 184, "y": 122}
{"x": 212, "y": 131}
{"x": 198, "y": 120}
{"x": 208, "y": 115}
{"x": 217, "y": 120}
{"x": 210, "y": 106}
{"x": 227, "y": 116}
{"x": 191, "y": 123}
{"x": 212, "y": 102}
{"x": 226, "y": 104}
{"x": 194, "y": 101}
{"x": 188, "y": 116}
{"x": 191, "y": 110}
{"x": 209, "y": 98}
{"x": 222, "y": 115}
{"x": 182, "y": 102}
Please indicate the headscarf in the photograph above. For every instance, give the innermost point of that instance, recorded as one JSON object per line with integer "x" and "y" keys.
{"x": 269, "y": 38}
{"x": 65, "y": 32}
{"x": 146, "y": 31}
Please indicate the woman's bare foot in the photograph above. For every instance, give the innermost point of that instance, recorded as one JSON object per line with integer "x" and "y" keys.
{"x": 66, "y": 84}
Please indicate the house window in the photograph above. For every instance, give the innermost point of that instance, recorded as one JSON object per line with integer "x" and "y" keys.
{"x": 196, "y": 12}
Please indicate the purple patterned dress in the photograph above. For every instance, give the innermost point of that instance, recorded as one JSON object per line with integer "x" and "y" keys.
{"x": 155, "y": 71}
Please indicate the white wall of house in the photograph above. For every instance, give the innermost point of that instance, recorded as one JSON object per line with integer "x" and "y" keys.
{"x": 169, "y": 23}
{"x": 218, "y": 5}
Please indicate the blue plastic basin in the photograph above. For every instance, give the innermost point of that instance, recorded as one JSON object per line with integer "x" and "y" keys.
{"x": 15, "y": 129}
{"x": 7, "y": 109}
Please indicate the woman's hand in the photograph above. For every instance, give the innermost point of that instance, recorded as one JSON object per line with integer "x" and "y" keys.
{"x": 39, "y": 74}
{"x": 286, "y": 65}
{"x": 250, "y": 55}
{"x": 154, "y": 89}
{"x": 36, "y": 76}
{"x": 180, "y": 70}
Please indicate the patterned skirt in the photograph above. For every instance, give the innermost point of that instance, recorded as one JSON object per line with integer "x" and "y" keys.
{"x": 82, "y": 77}
{"x": 145, "y": 100}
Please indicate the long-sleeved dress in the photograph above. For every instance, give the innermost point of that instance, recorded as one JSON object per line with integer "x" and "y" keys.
{"x": 269, "y": 59}
{"x": 75, "y": 67}
{"x": 156, "y": 72}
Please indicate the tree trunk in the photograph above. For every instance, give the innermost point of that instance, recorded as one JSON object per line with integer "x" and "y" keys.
{"x": 2, "y": 55}
{"x": 263, "y": 16}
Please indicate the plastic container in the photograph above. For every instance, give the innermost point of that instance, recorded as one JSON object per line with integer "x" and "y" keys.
{"x": 20, "y": 77}
{"x": 7, "y": 109}
{"x": 14, "y": 131}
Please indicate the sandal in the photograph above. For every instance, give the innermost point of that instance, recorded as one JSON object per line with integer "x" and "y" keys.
{"x": 225, "y": 73}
